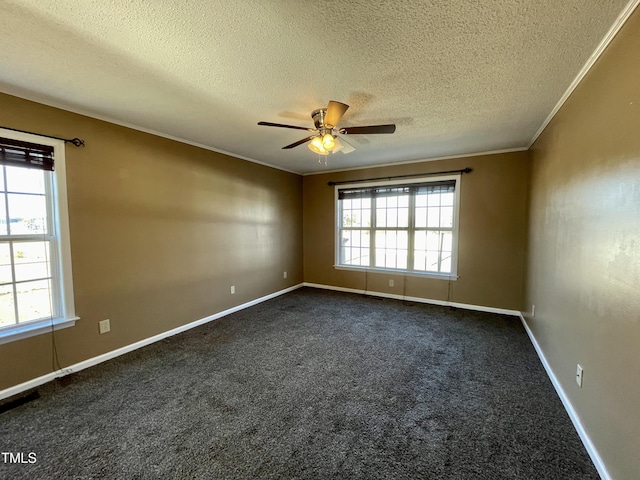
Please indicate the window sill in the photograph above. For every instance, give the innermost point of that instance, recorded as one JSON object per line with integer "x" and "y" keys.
{"x": 31, "y": 329}
{"x": 406, "y": 273}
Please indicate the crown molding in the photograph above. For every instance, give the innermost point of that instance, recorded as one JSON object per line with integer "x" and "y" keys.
{"x": 602, "y": 46}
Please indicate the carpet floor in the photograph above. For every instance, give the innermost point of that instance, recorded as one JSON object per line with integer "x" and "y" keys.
{"x": 313, "y": 384}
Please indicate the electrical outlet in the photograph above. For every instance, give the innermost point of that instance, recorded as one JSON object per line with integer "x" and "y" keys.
{"x": 104, "y": 326}
{"x": 533, "y": 311}
{"x": 579, "y": 376}
{"x": 233, "y": 289}
{"x": 391, "y": 283}
{"x": 284, "y": 275}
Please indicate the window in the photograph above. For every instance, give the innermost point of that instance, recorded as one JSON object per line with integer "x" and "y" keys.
{"x": 410, "y": 227}
{"x": 35, "y": 264}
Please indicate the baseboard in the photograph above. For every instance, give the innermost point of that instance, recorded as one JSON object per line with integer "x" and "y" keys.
{"x": 466, "y": 306}
{"x": 573, "y": 415}
{"x": 36, "y": 382}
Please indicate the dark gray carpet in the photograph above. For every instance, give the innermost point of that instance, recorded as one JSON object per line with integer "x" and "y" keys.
{"x": 313, "y": 384}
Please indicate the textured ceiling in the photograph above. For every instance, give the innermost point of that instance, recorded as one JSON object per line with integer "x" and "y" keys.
{"x": 457, "y": 77}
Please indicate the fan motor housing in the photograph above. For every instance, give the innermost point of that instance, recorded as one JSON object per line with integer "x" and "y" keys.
{"x": 318, "y": 117}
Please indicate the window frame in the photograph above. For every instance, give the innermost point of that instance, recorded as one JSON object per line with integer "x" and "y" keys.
{"x": 60, "y": 251}
{"x": 411, "y": 229}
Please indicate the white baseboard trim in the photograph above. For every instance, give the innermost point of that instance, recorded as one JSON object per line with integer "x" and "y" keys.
{"x": 573, "y": 415}
{"x": 466, "y": 306}
{"x": 36, "y": 382}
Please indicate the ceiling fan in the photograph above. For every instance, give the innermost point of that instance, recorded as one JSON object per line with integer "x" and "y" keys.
{"x": 325, "y": 141}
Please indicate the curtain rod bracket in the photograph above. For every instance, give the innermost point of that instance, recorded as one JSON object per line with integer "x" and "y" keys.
{"x": 75, "y": 141}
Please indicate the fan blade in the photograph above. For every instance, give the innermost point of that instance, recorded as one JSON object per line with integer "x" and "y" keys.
{"x": 371, "y": 129}
{"x": 343, "y": 146}
{"x": 269, "y": 124}
{"x": 299, "y": 142}
{"x": 335, "y": 111}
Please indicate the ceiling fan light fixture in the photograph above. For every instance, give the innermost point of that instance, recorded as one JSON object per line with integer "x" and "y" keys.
{"x": 316, "y": 146}
{"x": 328, "y": 142}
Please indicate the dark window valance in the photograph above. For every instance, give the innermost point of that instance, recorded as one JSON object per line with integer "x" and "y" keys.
{"x": 443, "y": 186}
{"x": 26, "y": 154}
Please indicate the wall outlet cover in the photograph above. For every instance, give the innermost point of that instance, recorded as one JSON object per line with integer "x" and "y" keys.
{"x": 104, "y": 326}
{"x": 579, "y": 375}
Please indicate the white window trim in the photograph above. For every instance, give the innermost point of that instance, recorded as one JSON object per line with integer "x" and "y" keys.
{"x": 62, "y": 257}
{"x": 410, "y": 273}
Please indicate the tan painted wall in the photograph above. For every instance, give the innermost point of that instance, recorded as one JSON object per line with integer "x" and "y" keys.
{"x": 492, "y": 233}
{"x": 584, "y": 262}
{"x": 159, "y": 232}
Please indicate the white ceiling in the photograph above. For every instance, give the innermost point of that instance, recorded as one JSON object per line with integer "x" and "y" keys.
{"x": 456, "y": 76}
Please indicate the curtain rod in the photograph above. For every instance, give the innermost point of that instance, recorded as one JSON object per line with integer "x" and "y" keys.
{"x": 464, "y": 170}
{"x": 75, "y": 141}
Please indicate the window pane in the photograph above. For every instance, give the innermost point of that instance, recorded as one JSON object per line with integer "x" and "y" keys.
{"x": 392, "y": 217}
{"x": 392, "y": 202}
{"x": 351, "y": 218}
{"x": 355, "y": 247}
{"x": 433, "y": 200}
{"x": 7, "y": 308}
{"x": 27, "y": 213}
{"x": 359, "y": 238}
{"x": 432, "y": 261}
{"x": 34, "y": 300}
{"x": 403, "y": 201}
{"x": 390, "y": 259}
{"x": 419, "y": 260}
{"x": 403, "y": 217}
{"x": 355, "y": 238}
{"x": 31, "y": 260}
{"x": 380, "y": 257}
{"x": 381, "y": 218}
{"x": 3, "y": 214}
{"x": 381, "y": 240}
{"x": 391, "y": 239}
{"x": 433, "y": 240}
{"x": 420, "y": 240}
{"x": 447, "y": 241}
{"x": 365, "y": 238}
{"x": 403, "y": 239}
{"x": 421, "y": 200}
{"x": 356, "y": 203}
{"x": 25, "y": 180}
{"x": 2, "y": 189}
{"x": 346, "y": 204}
{"x": 366, "y": 218}
{"x": 402, "y": 259}
{"x": 346, "y": 238}
{"x": 446, "y": 199}
{"x": 445, "y": 264}
{"x": 421, "y": 217}
{"x": 381, "y": 202}
{"x": 433, "y": 217}
{"x": 5, "y": 264}
{"x": 446, "y": 217}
